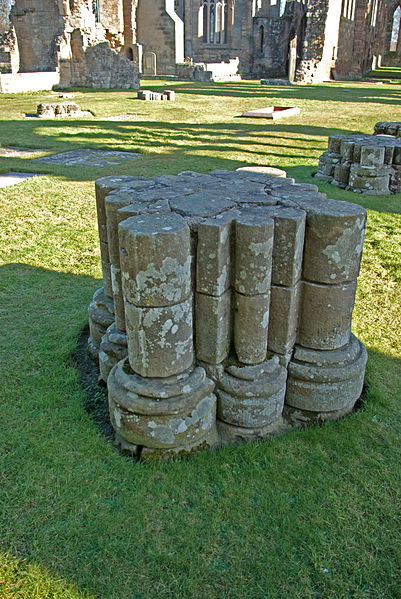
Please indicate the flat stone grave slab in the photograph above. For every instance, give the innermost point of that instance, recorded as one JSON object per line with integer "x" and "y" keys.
{"x": 272, "y": 112}
{"x": 19, "y": 152}
{"x": 12, "y": 178}
{"x": 95, "y": 158}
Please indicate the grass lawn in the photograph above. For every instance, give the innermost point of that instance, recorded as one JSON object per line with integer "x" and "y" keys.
{"x": 311, "y": 515}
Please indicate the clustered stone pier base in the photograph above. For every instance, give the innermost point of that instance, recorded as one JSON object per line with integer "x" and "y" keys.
{"x": 369, "y": 164}
{"x": 226, "y": 308}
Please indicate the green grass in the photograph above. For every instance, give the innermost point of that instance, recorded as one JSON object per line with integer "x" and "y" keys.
{"x": 314, "y": 514}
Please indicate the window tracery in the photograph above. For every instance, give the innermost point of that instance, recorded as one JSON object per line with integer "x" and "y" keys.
{"x": 215, "y": 21}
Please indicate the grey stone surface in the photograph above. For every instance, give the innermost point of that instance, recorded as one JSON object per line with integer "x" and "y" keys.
{"x": 253, "y": 254}
{"x": 113, "y": 348}
{"x": 213, "y": 257}
{"x": 251, "y": 321}
{"x": 333, "y": 241}
{"x": 104, "y": 186}
{"x": 101, "y": 316}
{"x": 188, "y": 417}
{"x": 251, "y": 404}
{"x": 160, "y": 340}
{"x": 283, "y": 323}
{"x": 93, "y": 158}
{"x": 213, "y": 327}
{"x": 201, "y": 204}
{"x": 118, "y": 297}
{"x": 155, "y": 259}
{"x": 231, "y": 284}
{"x": 325, "y": 315}
{"x": 320, "y": 382}
{"x": 288, "y": 245}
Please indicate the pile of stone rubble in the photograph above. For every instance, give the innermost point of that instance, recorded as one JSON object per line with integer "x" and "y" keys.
{"x": 369, "y": 164}
{"x": 226, "y": 308}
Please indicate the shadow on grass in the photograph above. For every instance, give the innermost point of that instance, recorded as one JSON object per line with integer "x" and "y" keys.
{"x": 345, "y": 91}
{"x": 73, "y": 507}
{"x": 172, "y": 142}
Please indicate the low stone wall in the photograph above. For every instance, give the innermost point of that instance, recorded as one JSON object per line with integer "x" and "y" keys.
{"x": 15, "y": 83}
{"x": 226, "y": 308}
{"x": 369, "y": 164}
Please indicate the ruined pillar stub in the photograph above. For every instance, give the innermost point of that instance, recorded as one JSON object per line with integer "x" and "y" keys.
{"x": 247, "y": 277}
{"x": 363, "y": 163}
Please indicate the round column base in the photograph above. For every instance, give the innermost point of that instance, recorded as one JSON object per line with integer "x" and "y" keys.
{"x": 113, "y": 348}
{"x": 101, "y": 316}
{"x": 174, "y": 413}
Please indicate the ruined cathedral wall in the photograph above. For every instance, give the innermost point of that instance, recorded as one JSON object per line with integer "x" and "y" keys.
{"x": 362, "y": 37}
{"x": 239, "y": 35}
{"x": 38, "y": 25}
{"x": 160, "y": 30}
{"x": 320, "y": 43}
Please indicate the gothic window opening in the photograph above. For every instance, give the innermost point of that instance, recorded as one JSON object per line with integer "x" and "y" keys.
{"x": 261, "y": 38}
{"x": 395, "y": 31}
{"x": 95, "y": 10}
{"x": 283, "y": 4}
{"x": 215, "y": 21}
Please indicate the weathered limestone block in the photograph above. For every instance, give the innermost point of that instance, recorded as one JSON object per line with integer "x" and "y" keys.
{"x": 136, "y": 208}
{"x": 251, "y": 320}
{"x": 370, "y": 180}
{"x": 213, "y": 327}
{"x": 101, "y": 316}
{"x": 341, "y": 174}
{"x": 395, "y": 180}
{"x": 252, "y": 403}
{"x": 326, "y": 381}
{"x": 113, "y": 348}
{"x": 327, "y": 164}
{"x": 325, "y": 315}
{"x": 113, "y": 202}
{"x": 106, "y": 265}
{"x": 253, "y": 254}
{"x": 333, "y": 241}
{"x": 118, "y": 297}
{"x": 183, "y": 421}
{"x": 347, "y": 149}
{"x": 397, "y": 153}
{"x": 372, "y": 156}
{"x": 288, "y": 244}
{"x": 160, "y": 340}
{"x": 334, "y": 144}
{"x": 104, "y": 186}
{"x": 366, "y": 161}
{"x": 213, "y": 257}
{"x": 283, "y": 322}
{"x": 155, "y": 259}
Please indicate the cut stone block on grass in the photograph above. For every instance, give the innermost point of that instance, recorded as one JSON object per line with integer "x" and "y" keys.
{"x": 11, "y": 178}
{"x": 272, "y": 112}
{"x": 84, "y": 157}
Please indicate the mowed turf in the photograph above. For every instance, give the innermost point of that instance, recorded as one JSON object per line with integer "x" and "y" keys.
{"x": 311, "y": 515}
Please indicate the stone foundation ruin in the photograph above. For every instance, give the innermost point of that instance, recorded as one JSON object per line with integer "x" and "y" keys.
{"x": 226, "y": 308}
{"x": 369, "y": 164}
